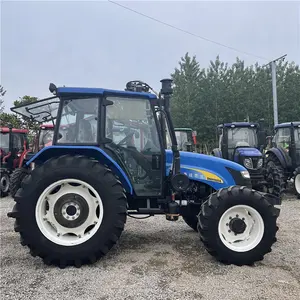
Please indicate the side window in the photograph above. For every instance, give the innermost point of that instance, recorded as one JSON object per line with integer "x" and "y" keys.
{"x": 79, "y": 121}
{"x": 17, "y": 142}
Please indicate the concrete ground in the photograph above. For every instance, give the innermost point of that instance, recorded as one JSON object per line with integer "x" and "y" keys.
{"x": 155, "y": 259}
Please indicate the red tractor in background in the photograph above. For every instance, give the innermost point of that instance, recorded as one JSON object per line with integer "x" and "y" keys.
{"x": 44, "y": 137}
{"x": 13, "y": 150}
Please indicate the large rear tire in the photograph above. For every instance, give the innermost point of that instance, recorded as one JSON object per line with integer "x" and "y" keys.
{"x": 70, "y": 211}
{"x": 238, "y": 225}
{"x": 297, "y": 182}
{"x": 16, "y": 178}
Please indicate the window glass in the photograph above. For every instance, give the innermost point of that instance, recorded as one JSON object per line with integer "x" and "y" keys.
{"x": 78, "y": 123}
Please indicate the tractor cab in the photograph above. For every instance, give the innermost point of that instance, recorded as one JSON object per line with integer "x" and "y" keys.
{"x": 13, "y": 149}
{"x": 239, "y": 142}
{"x": 287, "y": 138}
{"x": 13, "y": 142}
{"x": 186, "y": 139}
{"x": 285, "y": 153}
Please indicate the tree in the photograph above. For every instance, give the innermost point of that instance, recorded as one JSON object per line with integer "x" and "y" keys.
{"x": 7, "y": 119}
{"x": 2, "y": 93}
{"x": 204, "y": 98}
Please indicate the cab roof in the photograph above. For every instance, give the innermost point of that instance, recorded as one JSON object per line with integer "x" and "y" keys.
{"x": 287, "y": 124}
{"x": 46, "y": 110}
{"x": 15, "y": 130}
{"x": 62, "y": 91}
{"x": 238, "y": 124}
{"x": 183, "y": 129}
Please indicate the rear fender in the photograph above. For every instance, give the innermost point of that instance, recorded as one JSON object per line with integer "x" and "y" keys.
{"x": 90, "y": 151}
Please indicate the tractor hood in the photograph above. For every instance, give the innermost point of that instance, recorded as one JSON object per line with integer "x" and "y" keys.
{"x": 209, "y": 169}
{"x": 248, "y": 152}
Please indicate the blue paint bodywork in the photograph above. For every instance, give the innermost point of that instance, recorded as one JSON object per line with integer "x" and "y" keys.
{"x": 287, "y": 124}
{"x": 199, "y": 167}
{"x": 96, "y": 152}
{"x": 99, "y": 91}
{"x": 190, "y": 161}
{"x": 246, "y": 152}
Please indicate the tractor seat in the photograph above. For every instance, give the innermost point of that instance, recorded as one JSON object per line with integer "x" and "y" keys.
{"x": 85, "y": 133}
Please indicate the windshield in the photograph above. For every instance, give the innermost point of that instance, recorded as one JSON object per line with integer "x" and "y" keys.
{"x": 41, "y": 111}
{"x": 282, "y": 137}
{"x": 4, "y": 141}
{"x": 245, "y": 136}
{"x": 182, "y": 139}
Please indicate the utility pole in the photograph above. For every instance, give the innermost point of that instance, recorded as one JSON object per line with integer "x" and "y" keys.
{"x": 274, "y": 86}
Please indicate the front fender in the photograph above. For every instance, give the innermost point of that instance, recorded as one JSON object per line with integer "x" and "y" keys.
{"x": 281, "y": 155}
{"x": 90, "y": 151}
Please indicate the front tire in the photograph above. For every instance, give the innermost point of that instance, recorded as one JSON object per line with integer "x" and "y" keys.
{"x": 238, "y": 225}
{"x": 70, "y": 211}
{"x": 4, "y": 183}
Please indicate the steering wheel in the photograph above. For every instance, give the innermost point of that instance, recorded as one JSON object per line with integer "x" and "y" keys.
{"x": 126, "y": 138}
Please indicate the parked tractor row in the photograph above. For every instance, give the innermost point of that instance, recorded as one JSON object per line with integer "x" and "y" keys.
{"x": 15, "y": 150}
{"x": 116, "y": 154}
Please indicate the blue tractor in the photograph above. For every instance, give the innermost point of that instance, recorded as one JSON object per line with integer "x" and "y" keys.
{"x": 284, "y": 154}
{"x": 243, "y": 143}
{"x": 109, "y": 160}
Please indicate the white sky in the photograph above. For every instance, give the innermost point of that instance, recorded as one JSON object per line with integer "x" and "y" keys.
{"x": 99, "y": 44}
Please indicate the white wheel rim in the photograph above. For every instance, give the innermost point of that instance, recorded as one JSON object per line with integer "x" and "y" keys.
{"x": 53, "y": 215}
{"x": 297, "y": 183}
{"x": 253, "y": 233}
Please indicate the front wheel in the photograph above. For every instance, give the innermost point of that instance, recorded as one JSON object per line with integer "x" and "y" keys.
{"x": 4, "y": 183}
{"x": 238, "y": 225}
{"x": 297, "y": 182}
{"x": 70, "y": 211}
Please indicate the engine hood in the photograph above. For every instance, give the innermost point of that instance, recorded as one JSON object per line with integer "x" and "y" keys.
{"x": 206, "y": 168}
{"x": 248, "y": 152}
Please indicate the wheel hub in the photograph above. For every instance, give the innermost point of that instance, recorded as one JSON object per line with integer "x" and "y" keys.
{"x": 237, "y": 225}
{"x": 71, "y": 210}
{"x": 4, "y": 183}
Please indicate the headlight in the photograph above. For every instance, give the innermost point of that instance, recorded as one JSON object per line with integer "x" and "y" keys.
{"x": 248, "y": 163}
{"x": 260, "y": 163}
{"x": 245, "y": 174}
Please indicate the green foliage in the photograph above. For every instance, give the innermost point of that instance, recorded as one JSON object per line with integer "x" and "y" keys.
{"x": 204, "y": 98}
{"x": 2, "y": 93}
{"x": 18, "y": 121}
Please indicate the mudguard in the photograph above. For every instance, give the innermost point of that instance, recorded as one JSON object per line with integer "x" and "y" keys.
{"x": 281, "y": 155}
{"x": 208, "y": 169}
{"x": 217, "y": 152}
{"x": 91, "y": 151}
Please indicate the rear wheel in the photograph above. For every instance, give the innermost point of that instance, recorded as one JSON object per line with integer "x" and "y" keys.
{"x": 297, "y": 182}
{"x": 70, "y": 211}
{"x": 238, "y": 225}
{"x": 4, "y": 183}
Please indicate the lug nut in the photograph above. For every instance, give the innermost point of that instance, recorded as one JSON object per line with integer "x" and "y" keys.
{"x": 230, "y": 218}
{"x": 95, "y": 222}
{"x": 227, "y": 224}
{"x": 243, "y": 219}
{"x": 229, "y": 230}
{"x": 237, "y": 216}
